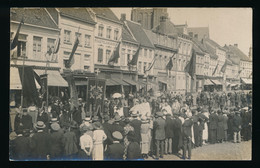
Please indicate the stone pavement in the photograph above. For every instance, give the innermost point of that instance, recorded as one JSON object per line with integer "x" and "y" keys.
{"x": 224, "y": 151}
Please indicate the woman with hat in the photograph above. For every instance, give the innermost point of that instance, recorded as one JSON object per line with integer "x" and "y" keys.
{"x": 99, "y": 137}
{"x": 145, "y": 137}
{"x": 127, "y": 129}
{"x": 86, "y": 144}
{"x": 115, "y": 151}
{"x": 40, "y": 142}
{"x": 136, "y": 124}
{"x": 56, "y": 141}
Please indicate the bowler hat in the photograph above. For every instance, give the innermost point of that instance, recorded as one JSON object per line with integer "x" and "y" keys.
{"x": 117, "y": 118}
{"x": 55, "y": 126}
{"x": 106, "y": 117}
{"x": 117, "y": 135}
{"x": 95, "y": 118}
{"x": 40, "y": 125}
{"x": 73, "y": 124}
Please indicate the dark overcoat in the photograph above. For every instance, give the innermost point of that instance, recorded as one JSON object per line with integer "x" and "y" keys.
{"x": 115, "y": 151}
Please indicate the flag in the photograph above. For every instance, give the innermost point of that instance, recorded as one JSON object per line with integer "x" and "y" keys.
{"x": 224, "y": 67}
{"x": 150, "y": 67}
{"x": 115, "y": 54}
{"x": 191, "y": 66}
{"x": 239, "y": 72}
{"x": 215, "y": 70}
{"x": 57, "y": 46}
{"x": 73, "y": 91}
{"x": 50, "y": 51}
{"x": 71, "y": 58}
{"x": 135, "y": 57}
{"x": 14, "y": 43}
{"x": 170, "y": 64}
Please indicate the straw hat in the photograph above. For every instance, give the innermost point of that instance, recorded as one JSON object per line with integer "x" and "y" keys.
{"x": 54, "y": 120}
{"x": 117, "y": 135}
{"x": 144, "y": 119}
{"x": 87, "y": 119}
{"x": 55, "y": 126}
{"x": 134, "y": 114}
{"x": 40, "y": 125}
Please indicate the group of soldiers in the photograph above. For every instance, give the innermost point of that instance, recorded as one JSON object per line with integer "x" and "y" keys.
{"x": 136, "y": 127}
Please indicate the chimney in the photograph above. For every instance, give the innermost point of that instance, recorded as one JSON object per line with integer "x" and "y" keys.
{"x": 163, "y": 24}
{"x": 123, "y": 17}
{"x": 235, "y": 45}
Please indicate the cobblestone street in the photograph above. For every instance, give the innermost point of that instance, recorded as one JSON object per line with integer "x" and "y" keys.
{"x": 225, "y": 151}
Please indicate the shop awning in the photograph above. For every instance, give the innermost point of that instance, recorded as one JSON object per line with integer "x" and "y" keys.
{"x": 110, "y": 82}
{"x": 162, "y": 81}
{"x": 81, "y": 83}
{"x": 216, "y": 82}
{"x": 246, "y": 81}
{"x": 233, "y": 84}
{"x": 120, "y": 82}
{"x": 54, "y": 78}
{"x": 228, "y": 84}
{"x": 129, "y": 81}
{"x": 208, "y": 82}
{"x": 15, "y": 81}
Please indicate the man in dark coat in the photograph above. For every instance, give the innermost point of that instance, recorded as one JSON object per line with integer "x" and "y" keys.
{"x": 237, "y": 122}
{"x": 55, "y": 109}
{"x": 26, "y": 120}
{"x": 220, "y": 127}
{"x": 195, "y": 119}
{"x": 247, "y": 125}
{"x": 17, "y": 122}
{"x": 133, "y": 149}
{"x": 40, "y": 143}
{"x": 115, "y": 151}
{"x": 186, "y": 133}
{"x": 136, "y": 124}
{"x": 159, "y": 127}
{"x": 213, "y": 123}
{"x": 21, "y": 149}
{"x": 116, "y": 127}
{"x": 225, "y": 124}
{"x": 107, "y": 129}
{"x": 169, "y": 125}
{"x": 56, "y": 136}
{"x": 177, "y": 134}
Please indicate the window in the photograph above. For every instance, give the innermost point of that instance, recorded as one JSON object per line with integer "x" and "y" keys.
{"x": 86, "y": 57}
{"x": 184, "y": 48}
{"x": 150, "y": 53}
{"x": 139, "y": 66}
{"x": 145, "y": 66}
{"x": 100, "y": 55}
{"x": 67, "y": 36}
{"x": 145, "y": 52}
{"x": 108, "y": 33}
{"x": 128, "y": 55}
{"x": 21, "y": 46}
{"x": 100, "y": 31}
{"x": 86, "y": 67}
{"x": 116, "y": 32}
{"x": 50, "y": 44}
{"x": 87, "y": 40}
{"x": 79, "y": 37}
{"x": 108, "y": 54}
{"x": 37, "y": 47}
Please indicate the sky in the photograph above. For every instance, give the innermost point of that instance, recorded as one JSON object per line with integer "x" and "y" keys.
{"x": 226, "y": 25}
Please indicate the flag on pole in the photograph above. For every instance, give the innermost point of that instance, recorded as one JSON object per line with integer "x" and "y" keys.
{"x": 115, "y": 54}
{"x": 191, "y": 66}
{"x": 224, "y": 67}
{"x": 170, "y": 64}
{"x": 135, "y": 57}
{"x": 71, "y": 58}
{"x": 150, "y": 67}
{"x": 14, "y": 43}
{"x": 57, "y": 46}
{"x": 215, "y": 70}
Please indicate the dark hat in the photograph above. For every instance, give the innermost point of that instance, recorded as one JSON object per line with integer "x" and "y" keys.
{"x": 219, "y": 111}
{"x": 106, "y": 117}
{"x": 26, "y": 132}
{"x": 117, "y": 135}
{"x": 87, "y": 128}
{"x": 40, "y": 125}
{"x": 73, "y": 124}
{"x": 95, "y": 118}
{"x": 131, "y": 136}
{"x": 127, "y": 120}
{"x": 117, "y": 118}
{"x": 97, "y": 125}
{"x": 159, "y": 114}
{"x": 55, "y": 126}
{"x": 25, "y": 110}
{"x": 204, "y": 110}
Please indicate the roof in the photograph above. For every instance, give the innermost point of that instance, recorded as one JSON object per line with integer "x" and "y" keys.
{"x": 170, "y": 28}
{"x": 106, "y": 13}
{"x": 209, "y": 48}
{"x": 54, "y": 14}
{"x": 139, "y": 34}
{"x": 197, "y": 49}
{"x": 201, "y": 31}
{"x": 77, "y": 13}
{"x": 237, "y": 52}
{"x": 127, "y": 36}
{"x": 34, "y": 16}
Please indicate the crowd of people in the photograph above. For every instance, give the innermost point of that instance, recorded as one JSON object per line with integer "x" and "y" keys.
{"x": 132, "y": 127}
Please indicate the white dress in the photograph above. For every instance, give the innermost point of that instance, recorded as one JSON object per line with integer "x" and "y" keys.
{"x": 205, "y": 134}
{"x": 98, "y": 149}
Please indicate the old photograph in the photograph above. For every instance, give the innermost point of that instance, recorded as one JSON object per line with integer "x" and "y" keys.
{"x": 136, "y": 83}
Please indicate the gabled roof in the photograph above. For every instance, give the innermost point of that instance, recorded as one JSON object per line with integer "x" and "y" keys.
{"x": 106, "y": 13}
{"x": 201, "y": 31}
{"x": 34, "y": 16}
{"x": 210, "y": 48}
{"x": 237, "y": 52}
{"x": 77, "y": 13}
{"x": 127, "y": 36}
{"x": 170, "y": 28}
{"x": 139, "y": 34}
{"x": 199, "y": 44}
{"x": 197, "y": 49}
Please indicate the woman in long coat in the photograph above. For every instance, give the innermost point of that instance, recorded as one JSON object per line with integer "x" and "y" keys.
{"x": 99, "y": 137}
{"x": 220, "y": 127}
{"x": 145, "y": 137}
{"x": 69, "y": 141}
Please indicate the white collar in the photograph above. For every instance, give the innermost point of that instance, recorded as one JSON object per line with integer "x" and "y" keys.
{"x": 19, "y": 135}
{"x": 116, "y": 142}
{"x": 40, "y": 131}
